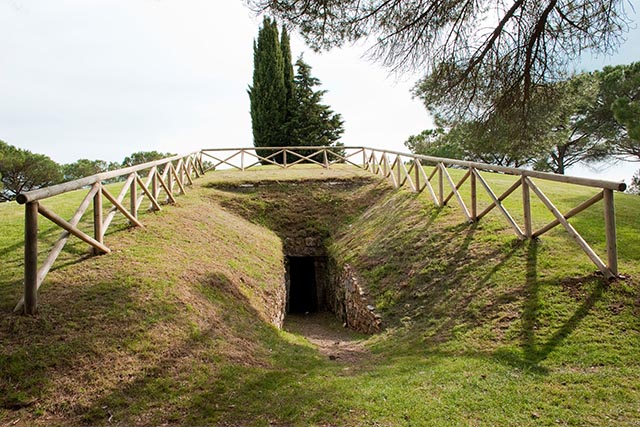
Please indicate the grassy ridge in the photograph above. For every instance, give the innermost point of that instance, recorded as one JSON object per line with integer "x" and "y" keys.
{"x": 170, "y": 303}
{"x": 481, "y": 329}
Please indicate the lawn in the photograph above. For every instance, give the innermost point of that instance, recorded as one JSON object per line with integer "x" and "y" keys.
{"x": 175, "y": 326}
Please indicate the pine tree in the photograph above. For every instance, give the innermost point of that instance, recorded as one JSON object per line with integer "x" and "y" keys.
{"x": 268, "y": 94}
{"x": 313, "y": 123}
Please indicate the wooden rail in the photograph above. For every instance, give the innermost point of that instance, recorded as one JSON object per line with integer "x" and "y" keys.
{"x": 408, "y": 169}
{"x": 400, "y": 168}
{"x": 176, "y": 171}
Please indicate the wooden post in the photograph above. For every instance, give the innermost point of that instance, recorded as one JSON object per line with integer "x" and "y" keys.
{"x": 474, "y": 196}
{"x": 325, "y": 158}
{"x": 440, "y": 184}
{"x": 170, "y": 184}
{"x": 610, "y": 229}
{"x": 417, "y": 165}
{"x": 526, "y": 207}
{"x": 133, "y": 198}
{"x": 364, "y": 159}
{"x": 284, "y": 158}
{"x": 179, "y": 170}
{"x": 200, "y": 162}
{"x": 154, "y": 183}
{"x": 242, "y": 160}
{"x": 194, "y": 166}
{"x": 98, "y": 233}
{"x": 31, "y": 258}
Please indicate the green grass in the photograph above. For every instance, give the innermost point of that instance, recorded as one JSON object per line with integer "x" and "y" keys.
{"x": 173, "y": 326}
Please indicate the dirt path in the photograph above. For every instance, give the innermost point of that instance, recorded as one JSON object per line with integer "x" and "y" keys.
{"x": 327, "y": 334}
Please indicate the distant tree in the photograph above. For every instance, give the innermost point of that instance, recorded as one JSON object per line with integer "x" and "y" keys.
{"x": 82, "y": 168}
{"x": 140, "y": 157}
{"x": 111, "y": 166}
{"x": 578, "y": 131}
{"x": 285, "y": 108}
{"x": 267, "y": 94}
{"x": 620, "y": 97}
{"x": 627, "y": 113}
{"x": 494, "y": 142}
{"x": 313, "y": 123}
{"x": 21, "y": 171}
{"x": 434, "y": 142}
{"x": 568, "y": 123}
{"x": 499, "y": 141}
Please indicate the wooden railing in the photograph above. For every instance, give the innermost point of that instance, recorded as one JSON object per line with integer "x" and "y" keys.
{"x": 247, "y": 158}
{"x": 177, "y": 171}
{"x": 408, "y": 169}
{"x": 402, "y": 169}
{"x": 393, "y": 165}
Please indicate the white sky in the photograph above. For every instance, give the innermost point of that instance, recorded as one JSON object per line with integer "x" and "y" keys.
{"x": 100, "y": 79}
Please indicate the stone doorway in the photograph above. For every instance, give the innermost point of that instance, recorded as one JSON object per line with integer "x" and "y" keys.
{"x": 302, "y": 289}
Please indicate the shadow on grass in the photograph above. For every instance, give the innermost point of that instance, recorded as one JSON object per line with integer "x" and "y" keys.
{"x": 461, "y": 291}
{"x": 534, "y": 349}
{"x": 238, "y": 369}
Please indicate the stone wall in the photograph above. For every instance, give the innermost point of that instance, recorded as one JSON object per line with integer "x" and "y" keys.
{"x": 304, "y": 246}
{"x": 349, "y": 301}
{"x": 276, "y": 305}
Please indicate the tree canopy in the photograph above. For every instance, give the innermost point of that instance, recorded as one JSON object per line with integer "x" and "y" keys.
{"x": 21, "y": 170}
{"x": 83, "y": 167}
{"x": 620, "y": 100}
{"x": 571, "y": 121}
{"x": 313, "y": 123}
{"x": 140, "y": 157}
{"x": 576, "y": 129}
{"x": 477, "y": 56}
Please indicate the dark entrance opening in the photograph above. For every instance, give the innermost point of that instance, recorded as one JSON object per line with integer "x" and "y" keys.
{"x": 303, "y": 290}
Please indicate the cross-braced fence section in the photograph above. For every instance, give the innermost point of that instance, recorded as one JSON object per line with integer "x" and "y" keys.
{"x": 433, "y": 174}
{"x": 281, "y": 157}
{"x": 159, "y": 182}
{"x": 436, "y": 175}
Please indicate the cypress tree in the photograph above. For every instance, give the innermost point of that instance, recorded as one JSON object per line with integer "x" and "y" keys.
{"x": 267, "y": 94}
{"x": 289, "y": 88}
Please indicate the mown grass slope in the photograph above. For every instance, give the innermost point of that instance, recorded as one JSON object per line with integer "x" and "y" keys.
{"x": 171, "y": 328}
{"x": 134, "y": 334}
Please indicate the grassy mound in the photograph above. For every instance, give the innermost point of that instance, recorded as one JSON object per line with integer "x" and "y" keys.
{"x": 137, "y": 331}
{"x": 174, "y": 326}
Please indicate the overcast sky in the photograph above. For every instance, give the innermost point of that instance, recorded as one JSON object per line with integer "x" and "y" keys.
{"x": 100, "y": 79}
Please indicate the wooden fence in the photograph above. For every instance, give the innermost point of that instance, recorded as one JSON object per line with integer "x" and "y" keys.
{"x": 177, "y": 171}
{"x": 401, "y": 169}
{"x": 404, "y": 169}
